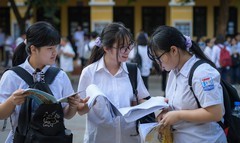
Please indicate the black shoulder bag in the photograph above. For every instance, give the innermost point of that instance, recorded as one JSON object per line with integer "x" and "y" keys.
{"x": 132, "y": 69}
{"x": 46, "y": 125}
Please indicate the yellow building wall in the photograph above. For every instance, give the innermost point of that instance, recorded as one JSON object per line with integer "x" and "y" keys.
{"x": 180, "y": 13}
{"x": 101, "y": 14}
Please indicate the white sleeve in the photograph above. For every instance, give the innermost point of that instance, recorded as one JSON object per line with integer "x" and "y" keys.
{"x": 206, "y": 85}
{"x": 142, "y": 90}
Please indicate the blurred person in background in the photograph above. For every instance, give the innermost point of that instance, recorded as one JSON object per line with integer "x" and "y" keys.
{"x": 235, "y": 61}
{"x": 88, "y": 47}
{"x": 216, "y": 50}
{"x": 146, "y": 64}
{"x": 201, "y": 43}
{"x": 79, "y": 41}
{"x": 208, "y": 50}
{"x": 20, "y": 39}
{"x": 2, "y": 41}
{"x": 8, "y": 48}
{"x": 66, "y": 54}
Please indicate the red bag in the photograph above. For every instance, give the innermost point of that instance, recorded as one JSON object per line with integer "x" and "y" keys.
{"x": 225, "y": 57}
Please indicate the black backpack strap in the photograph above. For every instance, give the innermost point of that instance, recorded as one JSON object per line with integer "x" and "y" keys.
{"x": 132, "y": 70}
{"x": 24, "y": 117}
{"x": 199, "y": 62}
{"x": 21, "y": 72}
{"x": 50, "y": 74}
{"x": 132, "y": 74}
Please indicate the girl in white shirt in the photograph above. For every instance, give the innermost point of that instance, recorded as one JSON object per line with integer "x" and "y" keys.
{"x": 109, "y": 72}
{"x": 177, "y": 53}
{"x": 146, "y": 64}
{"x": 41, "y": 44}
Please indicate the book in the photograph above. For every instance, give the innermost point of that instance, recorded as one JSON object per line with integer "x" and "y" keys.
{"x": 41, "y": 97}
{"x": 132, "y": 113}
{"x": 150, "y": 133}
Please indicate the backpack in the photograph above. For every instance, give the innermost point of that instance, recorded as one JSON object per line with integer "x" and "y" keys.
{"x": 132, "y": 69}
{"x": 225, "y": 59}
{"x": 137, "y": 58}
{"x": 231, "y": 124}
{"x": 47, "y": 123}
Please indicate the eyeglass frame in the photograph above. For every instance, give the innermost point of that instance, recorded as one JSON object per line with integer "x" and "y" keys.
{"x": 158, "y": 59}
{"x": 125, "y": 48}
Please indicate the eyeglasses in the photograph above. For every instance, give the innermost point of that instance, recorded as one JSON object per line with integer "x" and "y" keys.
{"x": 158, "y": 59}
{"x": 124, "y": 49}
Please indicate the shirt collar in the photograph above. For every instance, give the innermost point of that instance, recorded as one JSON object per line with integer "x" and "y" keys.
{"x": 30, "y": 69}
{"x": 187, "y": 66}
{"x": 101, "y": 66}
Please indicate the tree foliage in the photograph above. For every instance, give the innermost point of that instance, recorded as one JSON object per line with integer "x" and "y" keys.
{"x": 49, "y": 8}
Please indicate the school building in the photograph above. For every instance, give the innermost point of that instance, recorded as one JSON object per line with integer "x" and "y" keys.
{"x": 194, "y": 18}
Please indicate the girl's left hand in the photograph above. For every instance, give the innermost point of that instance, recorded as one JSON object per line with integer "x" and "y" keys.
{"x": 170, "y": 118}
{"x": 73, "y": 101}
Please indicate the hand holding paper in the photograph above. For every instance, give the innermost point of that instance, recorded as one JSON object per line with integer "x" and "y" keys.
{"x": 43, "y": 97}
{"x": 130, "y": 114}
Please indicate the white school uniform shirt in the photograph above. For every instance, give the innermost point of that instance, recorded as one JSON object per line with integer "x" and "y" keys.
{"x": 66, "y": 62}
{"x": 208, "y": 52}
{"x": 206, "y": 86}
{"x": 101, "y": 127}
{"x": 10, "y": 82}
{"x": 146, "y": 62}
{"x": 216, "y": 55}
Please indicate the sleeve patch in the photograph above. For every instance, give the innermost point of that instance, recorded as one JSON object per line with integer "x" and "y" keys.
{"x": 207, "y": 83}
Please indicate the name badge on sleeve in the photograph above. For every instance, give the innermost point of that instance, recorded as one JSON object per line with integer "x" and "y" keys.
{"x": 207, "y": 84}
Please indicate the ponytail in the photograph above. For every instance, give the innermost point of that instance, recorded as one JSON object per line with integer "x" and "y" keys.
{"x": 19, "y": 55}
{"x": 199, "y": 53}
{"x": 97, "y": 54}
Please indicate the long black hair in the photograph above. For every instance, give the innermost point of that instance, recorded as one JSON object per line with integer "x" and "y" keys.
{"x": 165, "y": 36}
{"x": 39, "y": 34}
{"x": 114, "y": 32}
{"x": 142, "y": 39}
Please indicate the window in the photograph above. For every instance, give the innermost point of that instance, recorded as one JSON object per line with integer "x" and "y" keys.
{"x": 184, "y": 27}
{"x": 124, "y": 15}
{"x": 199, "y": 21}
{"x": 5, "y": 19}
{"x": 78, "y": 16}
{"x": 152, "y": 17}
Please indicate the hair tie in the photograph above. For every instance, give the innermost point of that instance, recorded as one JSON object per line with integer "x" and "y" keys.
{"x": 98, "y": 42}
{"x": 188, "y": 42}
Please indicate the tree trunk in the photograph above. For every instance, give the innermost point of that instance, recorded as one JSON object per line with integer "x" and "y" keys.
{"x": 223, "y": 17}
{"x": 21, "y": 20}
